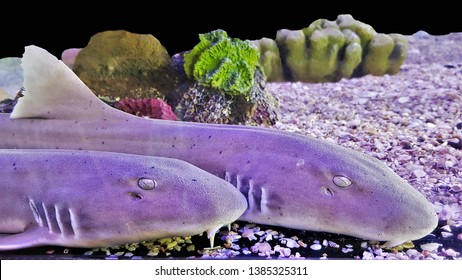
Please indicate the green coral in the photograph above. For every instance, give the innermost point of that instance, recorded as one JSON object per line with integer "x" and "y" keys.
{"x": 327, "y": 51}
{"x": 270, "y": 60}
{"x": 222, "y": 63}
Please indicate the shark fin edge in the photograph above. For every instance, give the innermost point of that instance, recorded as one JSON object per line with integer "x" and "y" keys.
{"x": 53, "y": 91}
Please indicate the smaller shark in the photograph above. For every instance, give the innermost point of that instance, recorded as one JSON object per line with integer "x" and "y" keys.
{"x": 100, "y": 199}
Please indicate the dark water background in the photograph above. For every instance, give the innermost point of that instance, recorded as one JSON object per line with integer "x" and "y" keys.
{"x": 177, "y": 24}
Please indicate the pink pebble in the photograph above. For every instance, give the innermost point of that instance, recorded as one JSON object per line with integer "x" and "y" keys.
{"x": 68, "y": 56}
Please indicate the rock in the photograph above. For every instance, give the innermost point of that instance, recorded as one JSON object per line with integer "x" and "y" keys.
{"x": 119, "y": 64}
{"x": 11, "y": 77}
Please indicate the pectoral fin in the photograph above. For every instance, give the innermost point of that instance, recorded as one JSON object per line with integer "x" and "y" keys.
{"x": 33, "y": 236}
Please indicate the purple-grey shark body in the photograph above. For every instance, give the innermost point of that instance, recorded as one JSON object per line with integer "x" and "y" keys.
{"x": 100, "y": 199}
{"x": 289, "y": 180}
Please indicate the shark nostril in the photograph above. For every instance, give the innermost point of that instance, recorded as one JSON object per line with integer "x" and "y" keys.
{"x": 327, "y": 191}
{"x": 147, "y": 183}
{"x": 135, "y": 196}
{"x": 341, "y": 181}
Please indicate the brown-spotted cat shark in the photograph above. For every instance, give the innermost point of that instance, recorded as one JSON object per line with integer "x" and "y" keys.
{"x": 100, "y": 199}
{"x": 288, "y": 179}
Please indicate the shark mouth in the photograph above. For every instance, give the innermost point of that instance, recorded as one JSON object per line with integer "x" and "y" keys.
{"x": 57, "y": 220}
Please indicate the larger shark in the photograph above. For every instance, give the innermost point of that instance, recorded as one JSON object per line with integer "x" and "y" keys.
{"x": 288, "y": 179}
{"x": 100, "y": 199}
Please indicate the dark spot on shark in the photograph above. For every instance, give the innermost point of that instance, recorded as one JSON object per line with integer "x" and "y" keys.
{"x": 210, "y": 136}
{"x": 102, "y": 142}
{"x": 173, "y": 145}
{"x": 220, "y": 152}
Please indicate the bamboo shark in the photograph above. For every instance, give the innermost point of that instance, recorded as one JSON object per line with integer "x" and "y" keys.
{"x": 100, "y": 199}
{"x": 288, "y": 179}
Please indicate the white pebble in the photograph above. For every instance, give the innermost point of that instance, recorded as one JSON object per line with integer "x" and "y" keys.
{"x": 264, "y": 247}
{"x": 291, "y": 243}
{"x": 403, "y": 99}
{"x": 419, "y": 173}
{"x": 285, "y": 251}
{"x": 413, "y": 253}
{"x": 347, "y": 250}
{"x": 446, "y": 228}
{"x": 333, "y": 244}
{"x": 430, "y": 246}
{"x": 446, "y": 234}
{"x": 249, "y": 233}
{"x": 451, "y": 253}
{"x": 316, "y": 247}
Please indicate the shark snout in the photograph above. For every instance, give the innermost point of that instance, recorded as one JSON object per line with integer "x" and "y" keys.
{"x": 415, "y": 221}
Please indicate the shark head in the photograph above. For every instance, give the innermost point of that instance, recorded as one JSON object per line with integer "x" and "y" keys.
{"x": 146, "y": 198}
{"x": 341, "y": 190}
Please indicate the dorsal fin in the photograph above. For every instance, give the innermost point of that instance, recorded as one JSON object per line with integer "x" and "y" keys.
{"x": 54, "y": 91}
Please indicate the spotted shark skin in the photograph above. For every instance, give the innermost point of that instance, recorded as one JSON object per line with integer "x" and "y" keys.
{"x": 289, "y": 179}
{"x": 100, "y": 199}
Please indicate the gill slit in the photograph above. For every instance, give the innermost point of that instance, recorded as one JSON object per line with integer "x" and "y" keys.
{"x": 58, "y": 220}
{"x": 255, "y": 195}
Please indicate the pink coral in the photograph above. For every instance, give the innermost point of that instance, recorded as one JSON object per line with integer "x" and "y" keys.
{"x": 147, "y": 107}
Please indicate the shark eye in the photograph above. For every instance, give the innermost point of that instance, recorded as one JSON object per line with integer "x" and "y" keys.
{"x": 147, "y": 184}
{"x": 341, "y": 181}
